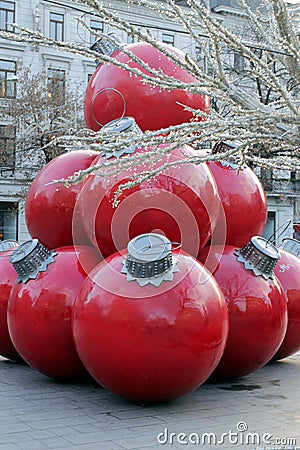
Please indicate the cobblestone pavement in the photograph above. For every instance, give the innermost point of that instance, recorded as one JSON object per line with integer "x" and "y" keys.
{"x": 260, "y": 411}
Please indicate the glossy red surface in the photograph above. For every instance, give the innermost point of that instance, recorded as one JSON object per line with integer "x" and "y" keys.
{"x": 150, "y": 344}
{"x": 152, "y": 107}
{"x": 182, "y": 203}
{"x": 8, "y": 275}
{"x": 257, "y": 314}
{"x": 244, "y": 202}
{"x": 49, "y": 209}
{"x": 39, "y": 314}
{"x": 287, "y": 271}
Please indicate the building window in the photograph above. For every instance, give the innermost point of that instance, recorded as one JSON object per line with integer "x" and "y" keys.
{"x": 7, "y": 73}
{"x": 295, "y": 181}
{"x": 201, "y": 59}
{"x": 7, "y": 15}
{"x": 7, "y": 146}
{"x": 8, "y": 220}
{"x": 57, "y": 26}
{"x": 240, "y": 63}
{"x": 269, "y": 231}
{"x": 131, "y": 39}
{"x": 168, "y": 38}
{"x": 56, "y": 82}
{"x": 97, "y": 27}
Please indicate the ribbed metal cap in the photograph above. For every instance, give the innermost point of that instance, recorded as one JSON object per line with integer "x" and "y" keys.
{"x": 222, "y": 147}
{"x": 106, "y": 45}
{"x": 8, "y": 244}
{"x": 122, "y": 125}
{"x": 150, "y": 259}
{"x": 291, "y": 245}
{"x": 31, "y": 258}
{"x": 260, "y": 256}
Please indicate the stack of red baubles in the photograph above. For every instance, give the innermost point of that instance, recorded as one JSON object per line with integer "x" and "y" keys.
{"x": 72, "y": 300}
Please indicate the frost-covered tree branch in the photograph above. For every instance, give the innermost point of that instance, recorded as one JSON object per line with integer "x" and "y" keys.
{"x": 39, "y": 113}
{"x": 265, "y": 133}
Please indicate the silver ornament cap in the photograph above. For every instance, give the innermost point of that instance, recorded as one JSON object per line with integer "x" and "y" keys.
{"x": 260, "y": 256}
{"x": 122, "y": 125}
{"x": 31, "y": 258}
{"x": 8, "y": 244}
{"x": 291, "y": 245}
{"x": 150, "y": 259}
{"x": 222, "y": 147}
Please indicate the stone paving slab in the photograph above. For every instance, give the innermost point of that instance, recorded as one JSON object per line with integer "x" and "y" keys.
{"x": 258, "y": 412}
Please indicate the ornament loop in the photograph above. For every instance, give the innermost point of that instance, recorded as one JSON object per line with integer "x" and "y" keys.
{"x": 285, "y": 226}
{"x": 163, "y": 244}
{"x": 100, "y": 92}
{"x": 78, "y": 29}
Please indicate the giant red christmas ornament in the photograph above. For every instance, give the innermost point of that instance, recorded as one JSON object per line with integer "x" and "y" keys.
{"x": 149, "y": 325}
{"x": 40, "y": 305}
{"x": 181, "y": 202}
{"x": 112, "y": 91}
{"x": 7, "y": 278}
{"x": 288, "y": 272}
{"x": 256, "y": 304}
{"x": 243, "y": 199}
{"x": 49, "y": 208}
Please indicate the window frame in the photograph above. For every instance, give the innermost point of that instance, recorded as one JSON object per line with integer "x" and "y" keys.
{"x": 131, "y": 38}
{"x": 56, "y": 33}
{"x": 9, "y": 207}
{"x": 6, "y": 82}
{"x": 60, "y": 88}
{"x": 8, "y": 144}
{"x": 240, "y": 63}
{"x": 8, "y": 12}
{"x": 271, "y": 225}
{"x": 165, "y": 38}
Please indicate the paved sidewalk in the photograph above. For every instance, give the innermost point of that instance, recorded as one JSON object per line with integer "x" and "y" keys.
{"x": 39, "y": 413}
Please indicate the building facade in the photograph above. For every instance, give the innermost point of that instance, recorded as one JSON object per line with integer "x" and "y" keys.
{"x": 59, "y": 20}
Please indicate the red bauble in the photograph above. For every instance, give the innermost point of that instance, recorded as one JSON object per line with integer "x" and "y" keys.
{"x": 287, "y": 271}
{"x": 8, "y": 276}
{"x": 182, "y": 203}
{"x": 257, "y": 313}
{"x": 113, "y": 89}
{"x": 49, "y": 209}
{"x": 244, "y": 202}
{"x": 150, "y": 343}
{"x": 39, "y": 313}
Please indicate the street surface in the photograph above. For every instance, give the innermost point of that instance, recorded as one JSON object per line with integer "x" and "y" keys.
{"x": 260, "y": 411}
